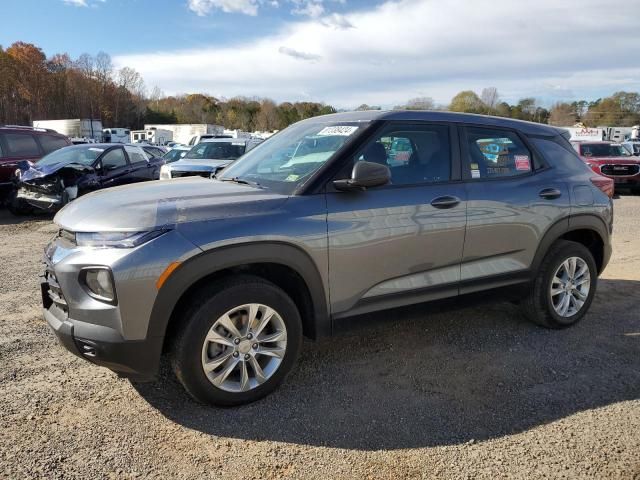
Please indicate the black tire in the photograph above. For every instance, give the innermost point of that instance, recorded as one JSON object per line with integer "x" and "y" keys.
{"x": 212, "y": 302}
{"x": 17, "y": 206}
{"x": 537, "y": 305}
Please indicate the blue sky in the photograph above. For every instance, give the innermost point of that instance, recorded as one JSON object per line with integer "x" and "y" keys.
{"x": 348, "y": 52}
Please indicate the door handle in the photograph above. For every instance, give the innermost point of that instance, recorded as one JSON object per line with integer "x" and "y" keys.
{"x": 550, "y": 193}
{"x": 445, "y": 202}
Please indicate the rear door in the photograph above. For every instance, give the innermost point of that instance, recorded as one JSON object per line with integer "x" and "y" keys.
{"x": 16, "y": 146}
{"x": 140, "y": 168}
{"x": 512, "y": 199}
{"x": 114, "y": 168}
{"x": 400, "y": 243}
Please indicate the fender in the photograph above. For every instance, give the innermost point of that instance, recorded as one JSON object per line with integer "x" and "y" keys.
{"x": 568, "y": 224}
{"x": 206, "y": 263}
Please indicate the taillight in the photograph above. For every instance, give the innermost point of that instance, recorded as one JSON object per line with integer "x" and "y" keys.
{"x": 603, "y": 183}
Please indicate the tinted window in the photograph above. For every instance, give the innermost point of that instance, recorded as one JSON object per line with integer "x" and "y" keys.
{"x": 50, "y": 144}
{"x": 603, "y": 150}
{"x": 21, "y": 145}
{"x": 557, "y": 154}
{"x": 1, "y": 155}
{"x": 136, "y": 154}
{"x": 496, "y": 153}
{"x": 414, "y": 153}
{"x": 114, "y": 159}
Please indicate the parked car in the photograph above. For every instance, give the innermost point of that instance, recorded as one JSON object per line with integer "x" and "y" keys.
{"x": 176, "y": 153}
{"x": 70, "y": 172}
{"x": 611, "y": 160}
{"x": 208, "y": 157}
{"x": 24, "y": 143}
{"x": 226, "y": 275}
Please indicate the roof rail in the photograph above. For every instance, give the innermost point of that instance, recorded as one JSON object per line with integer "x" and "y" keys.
{"x": 27, "y": 127}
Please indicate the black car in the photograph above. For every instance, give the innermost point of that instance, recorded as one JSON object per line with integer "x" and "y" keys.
{"x": 65, "y": 174}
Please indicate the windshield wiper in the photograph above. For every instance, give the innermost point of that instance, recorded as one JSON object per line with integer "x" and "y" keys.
{"x": 241, "y": 181}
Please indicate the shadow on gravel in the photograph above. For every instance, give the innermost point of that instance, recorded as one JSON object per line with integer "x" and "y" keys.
{"x": 426, "y": 376}
{"x": 8, "y": 218}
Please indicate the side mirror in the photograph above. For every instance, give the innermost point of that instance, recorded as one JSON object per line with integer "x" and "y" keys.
{"x": 365, "y": 175}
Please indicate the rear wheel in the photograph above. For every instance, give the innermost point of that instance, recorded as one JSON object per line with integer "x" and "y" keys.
{"x": 238, "y": 343}
{"x": 564, "y": 288}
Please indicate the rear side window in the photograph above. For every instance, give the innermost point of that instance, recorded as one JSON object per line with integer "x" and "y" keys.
{"x": 21, "y": 145}
{"x": 50, "y": 144}
{"x": 494, "y": 153}
{"x": 1, "y": 154}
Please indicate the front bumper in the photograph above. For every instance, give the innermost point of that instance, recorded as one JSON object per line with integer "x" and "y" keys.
{"x": 103, "y": 346}
{"x": 44, "y": 201}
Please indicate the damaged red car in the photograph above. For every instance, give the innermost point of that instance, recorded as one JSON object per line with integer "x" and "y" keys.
{"x": 70, "y": 172}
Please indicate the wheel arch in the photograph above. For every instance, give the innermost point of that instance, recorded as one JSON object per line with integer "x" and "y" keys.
{"x": 285, "y": 265}
{"x": 587, "y": 229}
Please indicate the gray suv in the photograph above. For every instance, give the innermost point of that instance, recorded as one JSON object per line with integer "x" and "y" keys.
{"x": 325, "y": 220}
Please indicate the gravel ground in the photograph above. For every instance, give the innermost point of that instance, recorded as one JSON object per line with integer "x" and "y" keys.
{"x": 473, "y": 392}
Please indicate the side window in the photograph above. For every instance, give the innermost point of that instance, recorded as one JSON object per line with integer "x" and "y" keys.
{"x": 50, "y": 144}
{"x": 114, "y": 159}
{"x": 496, "y": 153}
{"x": 21, "y": 145}
{"x": 415, "y": 154}
{"x": 1, "y": 154}
{"x": 136, "y": 155}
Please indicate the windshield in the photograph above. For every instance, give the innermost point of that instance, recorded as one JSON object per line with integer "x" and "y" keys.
{"x": 290, "y": 157}
{"x": 217, "y": 150}
{"x": 173, "y": 155}
{"x": 84, "y": 154}
{"x": 604, "y": 150}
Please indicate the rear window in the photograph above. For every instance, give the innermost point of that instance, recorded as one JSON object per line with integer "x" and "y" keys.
{"x": 50, "y": 144}
{"x": 21, "y": 145}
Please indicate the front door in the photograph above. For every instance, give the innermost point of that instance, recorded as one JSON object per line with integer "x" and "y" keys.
{"x": 115, "y": 168}
{"x": 400, "y": 243}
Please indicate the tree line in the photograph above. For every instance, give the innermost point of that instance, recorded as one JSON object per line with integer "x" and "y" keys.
{"x": 34, "y": 87}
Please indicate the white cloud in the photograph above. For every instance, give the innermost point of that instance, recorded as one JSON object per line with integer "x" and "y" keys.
{"x": 410, "y": 48}
{"x": 309, "y": 8}
{"x": 76, "y": 3}
{"x": 204, "y": 7}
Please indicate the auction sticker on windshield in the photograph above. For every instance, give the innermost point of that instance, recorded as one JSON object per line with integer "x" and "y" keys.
{"x": 340, "y": 130}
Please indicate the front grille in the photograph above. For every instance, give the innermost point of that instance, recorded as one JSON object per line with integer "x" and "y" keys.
{"x": 178, "y": 174}
{"x": 620, "y": 169}
{"x": 54, "y": 291}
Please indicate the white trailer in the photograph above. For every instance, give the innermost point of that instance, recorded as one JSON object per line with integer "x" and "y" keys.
{"x": 635, "y": 132}
{"x": 78, "y": 128}
{"x": 116, "y": 135}
{"x": 184, "y": 132}
{"x": 153, "y": 136}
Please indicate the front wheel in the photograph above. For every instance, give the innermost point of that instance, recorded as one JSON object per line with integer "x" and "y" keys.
{"x": 17, "y": 206}
{"x": 238, "y": 342}
{"x": 564, "y": 287}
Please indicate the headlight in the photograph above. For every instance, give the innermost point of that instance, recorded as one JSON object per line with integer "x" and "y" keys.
{"x": 98, "y": 282}
{"x": 165, "y": 172}
{"x": 116, "y": 239}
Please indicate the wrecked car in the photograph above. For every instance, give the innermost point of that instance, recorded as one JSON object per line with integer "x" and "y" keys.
{"x": 70, "y": 172}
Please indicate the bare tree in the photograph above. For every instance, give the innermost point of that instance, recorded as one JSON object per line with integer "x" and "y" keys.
{"x": 490, "y": 98}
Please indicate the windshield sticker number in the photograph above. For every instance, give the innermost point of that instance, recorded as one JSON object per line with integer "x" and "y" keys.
{"x": 337, "y": 130}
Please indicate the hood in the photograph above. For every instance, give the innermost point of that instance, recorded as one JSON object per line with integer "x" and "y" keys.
{"x": 169, "y": 202}
{"x": 199, "y": 165}
{"x": 600, "y": 160}
{"x": 31, "y": 171}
